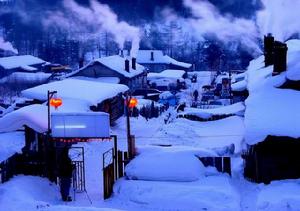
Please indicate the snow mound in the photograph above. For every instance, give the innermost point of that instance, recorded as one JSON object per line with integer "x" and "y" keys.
{"x": 272, "y": 198}
{"x": 209, "y": 193}
{"x": 28, "y": 193}
{"x": 236, "y": 108}
{"x": 162, "y": 165}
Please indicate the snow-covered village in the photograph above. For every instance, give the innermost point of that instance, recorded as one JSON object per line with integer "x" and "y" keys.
{"x": 173, "y": 105}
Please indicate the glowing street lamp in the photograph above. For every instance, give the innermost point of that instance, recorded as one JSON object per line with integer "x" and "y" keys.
{"x": 55, "y": 102}
{"x": 130, "y": 103}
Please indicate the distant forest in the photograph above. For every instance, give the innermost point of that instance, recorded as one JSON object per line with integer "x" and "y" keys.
{"x": 57, "y": 46}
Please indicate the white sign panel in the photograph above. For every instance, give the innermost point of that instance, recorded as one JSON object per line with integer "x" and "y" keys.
{"x": 80, "y": 125}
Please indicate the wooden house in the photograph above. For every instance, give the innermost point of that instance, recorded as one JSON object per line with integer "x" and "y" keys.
{"x": 155, "y": 61}
{"x": 84, "y": 95}
{"x": 25, "y": 63}
{"x": 272, "y": 118}
{"x": 128, "y": 71}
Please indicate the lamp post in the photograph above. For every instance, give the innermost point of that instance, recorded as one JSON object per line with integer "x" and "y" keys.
{"x": 55, "y": 102}
{"x": 130, "y": 103}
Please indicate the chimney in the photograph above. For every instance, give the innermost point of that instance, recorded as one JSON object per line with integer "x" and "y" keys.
{"x": 127, "y": 65}
{"x": 133, "y": 62}
{"x": 121, "y": 53}
{"x": 280, "y": 57}
{"x": 269, "y": 49}
{"x": 152, "y": 56}
{"x": 81, "y": 60}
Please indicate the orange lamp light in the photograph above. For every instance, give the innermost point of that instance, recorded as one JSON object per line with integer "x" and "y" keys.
{"x": 132, "y": 102}
{"x": 56, "y": 102}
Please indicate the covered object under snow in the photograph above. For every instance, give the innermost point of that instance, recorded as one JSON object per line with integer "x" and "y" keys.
{"x": 234, "y": 109}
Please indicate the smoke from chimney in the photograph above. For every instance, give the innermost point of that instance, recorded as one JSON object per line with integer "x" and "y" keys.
{"x": 7, "y": 46}
{"x": 91, "y": 21}
{"x": 280, "y": 18}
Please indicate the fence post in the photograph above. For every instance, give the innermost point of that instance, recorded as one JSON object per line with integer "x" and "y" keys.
{"x": 120, "y": 164}
{"x": 227, "y": 165}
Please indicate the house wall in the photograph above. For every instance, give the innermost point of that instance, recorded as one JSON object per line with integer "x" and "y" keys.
{"x": 275, "y": 158}
{"x": 114, "y": 106}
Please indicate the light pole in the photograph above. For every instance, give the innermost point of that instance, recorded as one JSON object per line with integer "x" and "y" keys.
{"x": 49, "y": 97}
{"x": 130, "y": 103}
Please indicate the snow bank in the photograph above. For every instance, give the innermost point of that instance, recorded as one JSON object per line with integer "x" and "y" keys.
{"x": 279, "y": 195}
{"x": 11, "y": 143}
{"x": 165, "y": 165}
{"x": 208, "y": 193}
{"x": 90, "y": 92}
{"x": 20, "y": 61}
{"x": 28, "y": 193}
{"x": 33, "y": 116}
{"x": 208, "y": 113}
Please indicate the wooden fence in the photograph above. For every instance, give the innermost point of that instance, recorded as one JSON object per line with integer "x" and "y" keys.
{"x": 9, "y": 168}
{"x": 113, "y": 169}
{"x": 222, "y": 164}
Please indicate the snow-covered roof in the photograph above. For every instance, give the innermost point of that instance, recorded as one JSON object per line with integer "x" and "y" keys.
{"x": 88, "y": 92}
{"x": 23, "y": 62}
{"x": 33, "y": 116}
{"x": 10, "y": 143}
{"x": 26, "y": 77}
{"x": 113, "y": 80}
{"x": 270, "y": 110}
{"x": 173, "y": 74}
{"x": 116, "y": 63}
{"x": 239, "y": 86}
{"x": 208, "y": 113}
{"x": 144, "y": 57}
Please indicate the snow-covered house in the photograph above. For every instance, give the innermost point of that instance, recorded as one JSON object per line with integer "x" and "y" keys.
{"x": 272, "y": 119}
{"x": 25, "y": 63}
{"x": 37, "y": 150}
{"x": 128, "y": 71}
{"x": 166, "y": 80}
{"x": 83, "y": 95}
{"x": 156, "y": 61}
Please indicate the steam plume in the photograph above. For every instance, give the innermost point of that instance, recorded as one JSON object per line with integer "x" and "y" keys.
{"x": 280, "y": 17}
{"x": 7, "y": 46}
{"x": 95, "y": 19}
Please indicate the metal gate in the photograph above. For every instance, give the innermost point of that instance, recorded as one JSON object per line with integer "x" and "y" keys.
{"x": 108, "y": 173}
{"x": 77, "y": 157}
